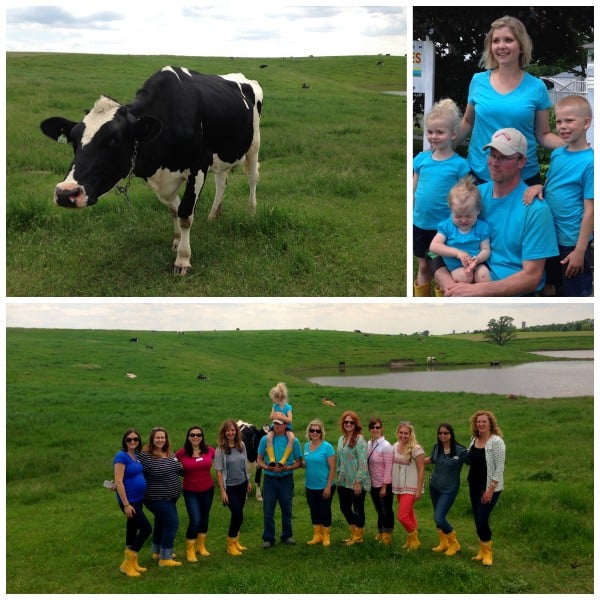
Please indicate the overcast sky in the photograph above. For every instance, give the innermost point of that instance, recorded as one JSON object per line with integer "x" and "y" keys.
{"x": 372, "y": 317}
{"x": 251, "y": 29}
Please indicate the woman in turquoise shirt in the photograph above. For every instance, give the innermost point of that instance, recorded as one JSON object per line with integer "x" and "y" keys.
{"x": 506, "y": 96}
{"x": 319, "y": 461}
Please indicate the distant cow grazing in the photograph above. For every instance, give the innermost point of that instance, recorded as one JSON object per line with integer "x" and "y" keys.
{"x": 431, "y": 361}
{"x": 252, "y": 436}
{"x": 494, "y": 363}
{"x": 180, "y": 125}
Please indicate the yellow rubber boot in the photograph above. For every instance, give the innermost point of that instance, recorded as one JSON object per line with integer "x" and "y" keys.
{"x": 412, "y": 542}
{"x": 357, "y": 536}
{"x": 238, "y": 545}
{"x": 286, "y": 455}
{"x": 136, "y": 564}
{"x": 352, "y": 528}
{"x": 479, "y": 555}
{"x": 190, "y": 550}
{"x": 379, "y": 537}
{"x": 487, "y": 554}
{"x": 453, "y": 545}
{"x": 326, "y": 536}
{"x": 168, "y": 562}
{"x": 423, "y": 290}
{"x": 271, "y": 454}
{"x": 128, "y": 565}
{"x": 386, "y": 538}
{"x": 317, "y": 535}
{"x": 232, "y": 547}
{"x": 443, "y": 545}
{"x": 438, "y": 291}
{"x": 201, "y": 545}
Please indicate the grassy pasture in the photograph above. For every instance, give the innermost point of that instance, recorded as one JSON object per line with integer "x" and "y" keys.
{"x": 68, "y": 402}
{"x": 331, "y": 215}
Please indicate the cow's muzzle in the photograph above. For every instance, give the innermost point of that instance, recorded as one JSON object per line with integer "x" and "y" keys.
{"x": 71, "y": 197}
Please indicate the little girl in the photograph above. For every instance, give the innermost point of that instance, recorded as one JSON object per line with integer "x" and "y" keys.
{"x": 435, "y": 171}
{"x": 463, "y": 240}
{"x": 282, "y": 411}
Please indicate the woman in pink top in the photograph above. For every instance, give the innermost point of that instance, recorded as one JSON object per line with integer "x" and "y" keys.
{"x": 196, "y": 456}
{"x": 380, "y": 458}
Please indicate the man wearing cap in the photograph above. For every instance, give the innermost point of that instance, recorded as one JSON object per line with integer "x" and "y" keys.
{"x": 278, "y": 485}
{"x": 522, "y": 237}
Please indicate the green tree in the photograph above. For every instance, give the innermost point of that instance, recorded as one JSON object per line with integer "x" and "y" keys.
{"x": 500, "y": 331}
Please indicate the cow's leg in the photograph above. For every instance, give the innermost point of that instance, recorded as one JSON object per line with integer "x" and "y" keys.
{"x": 257, "y": 479}
{"x": 185, "y": 214}
{"x": 220, "y": 185}
{"x": 252, "y": 166}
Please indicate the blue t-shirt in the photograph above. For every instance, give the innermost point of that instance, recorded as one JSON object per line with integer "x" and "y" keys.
{"x": 316, "y": 472}
{"x": 133, "y": 478}
{"x": 517, "y": 232}
{"x": 279, "y": 446}
{"x": 469, "y": 242}
{"x": 495, "y": 111}
{"x": 287, "y": 408}
{"x": 570, "y": 181}
{"x": 436, "y": 179}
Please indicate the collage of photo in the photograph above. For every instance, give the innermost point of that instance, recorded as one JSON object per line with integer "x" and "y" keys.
{"x": 286, "y": 313}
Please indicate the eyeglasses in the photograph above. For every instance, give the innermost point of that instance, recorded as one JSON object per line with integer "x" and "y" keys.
{"x": 443, "y": 433}
{"x": 133, "y": 439}
{"x": 502, "y": 158}
{"x": 195, "y": 435}
{"x": 314, "y": 431}
{"x": 374, "y": 426}
{"x": 348, "y": 422}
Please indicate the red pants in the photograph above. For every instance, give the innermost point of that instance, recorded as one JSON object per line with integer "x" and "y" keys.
{"x": 406, "y": 512}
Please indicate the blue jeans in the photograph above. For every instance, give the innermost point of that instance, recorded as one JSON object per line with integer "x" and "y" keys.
{"x": 237, "y": 499}
{"x": 277, "y": 489}
{"x": 384, "y": 506}
{"x": 166, "y": 522}
{"x": 481, "y": 512}
{"x": 198, "y": 506}
{"x": 138, "y": 528}
{"x": 352, "y": 506}
{"x": 320, "y": 508}
{"x": 442, "y": 502}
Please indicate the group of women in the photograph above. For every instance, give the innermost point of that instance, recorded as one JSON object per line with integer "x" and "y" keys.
{"x": 154, "y": 477}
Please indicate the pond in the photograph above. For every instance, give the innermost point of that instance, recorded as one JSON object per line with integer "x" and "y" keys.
{"x": 566, "y": 378}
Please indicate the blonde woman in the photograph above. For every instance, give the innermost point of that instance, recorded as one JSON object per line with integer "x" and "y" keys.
{"x": 319, "y": 462}
{"x": 408, "y": 472}
{"x": 505, "y": 95}
{"x": 487, "y": 452}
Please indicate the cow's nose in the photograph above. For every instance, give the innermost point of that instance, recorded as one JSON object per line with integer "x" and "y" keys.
{"x": 70, "y": 196}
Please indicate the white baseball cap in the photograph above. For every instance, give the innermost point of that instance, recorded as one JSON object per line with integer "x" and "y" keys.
{"x": 508, "y": 141}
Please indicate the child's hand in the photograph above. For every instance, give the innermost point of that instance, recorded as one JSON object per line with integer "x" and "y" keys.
{"x": 463, "y": 257}
{"x": 535, "y": 191}
{"x": 471, "y": 264}
{"x": 574, "y": 261}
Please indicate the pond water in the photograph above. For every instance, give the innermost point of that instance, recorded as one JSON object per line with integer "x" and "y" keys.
{"x": 548, "y": 379}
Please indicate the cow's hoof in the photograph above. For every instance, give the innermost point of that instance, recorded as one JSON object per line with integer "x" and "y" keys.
{"x": 177, "y": 270}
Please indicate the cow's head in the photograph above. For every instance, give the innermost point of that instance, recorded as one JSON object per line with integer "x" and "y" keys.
{"x": 103, "y": 144}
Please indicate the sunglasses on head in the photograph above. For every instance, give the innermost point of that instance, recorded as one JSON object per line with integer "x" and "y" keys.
{"x": 132, "y": 439}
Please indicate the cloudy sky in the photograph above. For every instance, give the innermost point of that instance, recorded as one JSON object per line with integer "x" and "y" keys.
{"x": 230, "y": 314}
{"x": 251, "y": 29}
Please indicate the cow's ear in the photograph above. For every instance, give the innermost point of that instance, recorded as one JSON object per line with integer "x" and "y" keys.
{"x": 57, "y": 127}
{"x": 147, "y": 128}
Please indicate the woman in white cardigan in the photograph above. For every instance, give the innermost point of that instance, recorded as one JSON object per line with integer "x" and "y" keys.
{"x": 486, "y": 476}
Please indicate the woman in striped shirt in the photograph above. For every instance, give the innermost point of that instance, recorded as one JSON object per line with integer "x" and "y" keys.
{"x": 163, "y": 488}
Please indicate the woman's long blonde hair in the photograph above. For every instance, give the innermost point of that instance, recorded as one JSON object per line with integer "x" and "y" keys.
{"x": 487, "y": 60}
{"x": 412, "y": 438}
{"x": 494, "y": 427}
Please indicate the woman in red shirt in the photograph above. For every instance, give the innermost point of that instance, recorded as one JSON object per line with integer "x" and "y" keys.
{"x": 196, "y": 456}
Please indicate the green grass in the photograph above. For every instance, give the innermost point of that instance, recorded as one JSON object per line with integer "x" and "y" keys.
{"x": 331, "y": 215}
{"x": 68, "y": 402}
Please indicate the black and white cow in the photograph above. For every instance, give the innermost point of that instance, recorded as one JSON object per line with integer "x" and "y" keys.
{"x": 252, "y": 436}
{"x": 180, "y": 125}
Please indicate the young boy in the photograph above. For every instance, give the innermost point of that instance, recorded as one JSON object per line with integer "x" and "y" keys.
{"x": 463, "y": 240}
{"x": 280, "y": 411}
{"x": 435, "y": 171}
{"x": 569, "y": 192}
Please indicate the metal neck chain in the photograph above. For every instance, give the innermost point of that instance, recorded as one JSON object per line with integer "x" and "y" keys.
{"x": 124, "y": 189}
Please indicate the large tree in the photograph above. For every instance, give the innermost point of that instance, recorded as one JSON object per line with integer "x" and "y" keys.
{"x": 558, "y": 35}
{"x": 500, "y": 331}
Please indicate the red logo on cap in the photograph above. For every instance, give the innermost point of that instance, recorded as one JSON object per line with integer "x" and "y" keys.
{"x": 503, "y": 133}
